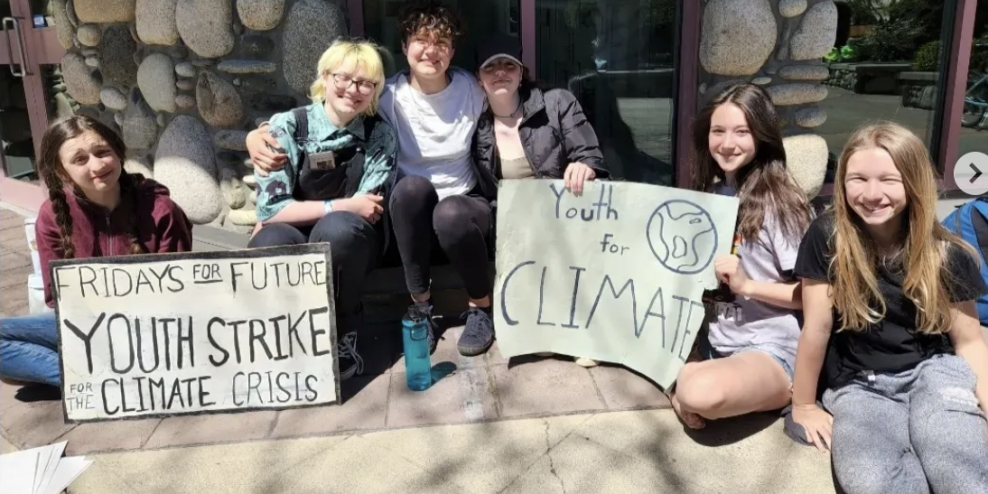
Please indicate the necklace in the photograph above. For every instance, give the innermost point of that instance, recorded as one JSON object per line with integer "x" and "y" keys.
{"x": 512, "y": 113}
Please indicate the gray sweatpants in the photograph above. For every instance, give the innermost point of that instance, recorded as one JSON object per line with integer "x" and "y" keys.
{"x": 911, "y": 432}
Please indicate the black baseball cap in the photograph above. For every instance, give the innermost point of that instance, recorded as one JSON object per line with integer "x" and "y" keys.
{"x": 499, "y": 45}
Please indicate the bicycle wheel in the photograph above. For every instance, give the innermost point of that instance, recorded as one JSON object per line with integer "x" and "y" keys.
{"x": 972, "y": 114}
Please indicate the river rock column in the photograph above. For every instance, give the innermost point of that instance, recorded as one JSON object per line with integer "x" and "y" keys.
{"x": 777, "y": 44}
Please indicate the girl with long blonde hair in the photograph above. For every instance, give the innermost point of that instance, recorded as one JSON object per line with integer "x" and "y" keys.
{"x": 888, "y": 300}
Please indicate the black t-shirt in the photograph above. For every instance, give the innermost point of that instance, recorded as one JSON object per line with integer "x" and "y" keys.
{"x": 890, "y": 345}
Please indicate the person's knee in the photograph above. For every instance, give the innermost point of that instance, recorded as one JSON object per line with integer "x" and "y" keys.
{"x": 859, "y": 475}
{"x": 452, "y": 221}
{"x": 700, "y": 392}
{"x": 276, "y": 234}
{"x": 341, "y": 229}
{"x": 941, "y": 417}
{"x": 413, "y": 188}
{"x": 353, "y": 241}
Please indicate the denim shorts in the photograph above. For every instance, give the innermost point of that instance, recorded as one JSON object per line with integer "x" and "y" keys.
{"x": 708, "y": 352}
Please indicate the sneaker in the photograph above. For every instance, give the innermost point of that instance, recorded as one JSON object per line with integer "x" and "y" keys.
{"x": 351, "y": 363}
{"x": 795, "y": 431}
{"x": 586, "y": 362}
{"x": 478, "y": 335}
{"x": 415, "y": 311}
{"x": 433, "y": 329}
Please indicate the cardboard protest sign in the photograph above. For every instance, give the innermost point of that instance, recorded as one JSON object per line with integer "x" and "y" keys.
{"x": 172, "y": 334}
{"x": 616, "y": 274}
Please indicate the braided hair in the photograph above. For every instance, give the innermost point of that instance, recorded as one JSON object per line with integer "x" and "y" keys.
{"x": 53, "y": 173}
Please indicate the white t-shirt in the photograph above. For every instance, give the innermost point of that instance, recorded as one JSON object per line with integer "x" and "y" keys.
{"x": 435, "y": 131}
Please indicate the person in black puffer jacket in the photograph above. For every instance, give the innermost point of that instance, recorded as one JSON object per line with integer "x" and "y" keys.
{"x": 527, "y": 133}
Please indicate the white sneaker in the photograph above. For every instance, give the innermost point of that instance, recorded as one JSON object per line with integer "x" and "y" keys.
{"x": 586, "y": 362}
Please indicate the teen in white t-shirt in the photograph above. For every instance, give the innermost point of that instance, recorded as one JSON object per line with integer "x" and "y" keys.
{"x": 438, "y": 128}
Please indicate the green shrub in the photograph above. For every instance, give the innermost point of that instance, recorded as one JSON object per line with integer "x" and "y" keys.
{"x": 849, "y": 53}
{"x": 891, "y": 41}
{"x": 927, "y": 58}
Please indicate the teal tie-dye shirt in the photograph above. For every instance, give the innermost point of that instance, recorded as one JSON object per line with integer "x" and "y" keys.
{"x": 274, "y": 192}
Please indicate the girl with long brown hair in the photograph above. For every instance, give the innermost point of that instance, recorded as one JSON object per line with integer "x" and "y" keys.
{"x": 94, "y": 209}
{"x": 744, "y": 363}
{"x": 888, "y": 295}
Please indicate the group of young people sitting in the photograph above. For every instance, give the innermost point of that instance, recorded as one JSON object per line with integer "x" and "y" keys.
{"x": 861, "y": 318}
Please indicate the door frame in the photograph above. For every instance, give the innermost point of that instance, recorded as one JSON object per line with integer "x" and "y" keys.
{"x": 40, "y": 47}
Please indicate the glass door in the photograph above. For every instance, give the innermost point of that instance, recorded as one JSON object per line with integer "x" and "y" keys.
{"x": 29, "y": 83}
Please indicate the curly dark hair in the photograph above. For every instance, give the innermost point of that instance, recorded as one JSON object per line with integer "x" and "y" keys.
{"x": 432, "y": 17}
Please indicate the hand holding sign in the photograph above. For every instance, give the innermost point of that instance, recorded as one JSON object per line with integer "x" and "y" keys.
{"x": 576, "y": 174}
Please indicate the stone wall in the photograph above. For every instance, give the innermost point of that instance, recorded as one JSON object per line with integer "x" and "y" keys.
{"x": 183, "y": 81}
{"x": 919, "y": 89}
{"x": 868, "y": 78}
{"x": 778, "y": 44}
{"x": 842, "y": 75}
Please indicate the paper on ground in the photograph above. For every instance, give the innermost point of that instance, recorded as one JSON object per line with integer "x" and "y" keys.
{"x": 68, "y": 470}
{"x": 39, "y": 470}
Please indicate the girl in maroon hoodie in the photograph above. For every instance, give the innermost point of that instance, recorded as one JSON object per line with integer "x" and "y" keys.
{"x": 94, "y": 209}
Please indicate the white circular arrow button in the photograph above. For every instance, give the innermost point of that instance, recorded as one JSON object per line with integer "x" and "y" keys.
{"x": 971, "y": 173}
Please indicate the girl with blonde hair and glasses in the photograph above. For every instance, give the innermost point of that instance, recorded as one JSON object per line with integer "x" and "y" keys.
{"x": 888, "y": 301}
{"x": 338, "y": 173}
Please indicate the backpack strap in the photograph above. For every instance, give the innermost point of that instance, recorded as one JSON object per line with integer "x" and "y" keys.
{"x": 301, "y": 124}
{"x": 979, "y": 220}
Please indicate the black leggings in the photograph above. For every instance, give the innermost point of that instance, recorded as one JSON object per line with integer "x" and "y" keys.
{"x": 460, "y": 225}
{"x": 355, "y": 250}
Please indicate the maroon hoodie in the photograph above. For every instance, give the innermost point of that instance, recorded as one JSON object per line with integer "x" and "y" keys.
{"x": 98, "y": 232}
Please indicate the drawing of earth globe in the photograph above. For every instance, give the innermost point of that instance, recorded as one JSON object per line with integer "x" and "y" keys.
{"x": 682, "y": 236}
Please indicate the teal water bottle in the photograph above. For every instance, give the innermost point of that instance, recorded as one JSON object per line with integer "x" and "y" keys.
{"x": 415, "y": 338}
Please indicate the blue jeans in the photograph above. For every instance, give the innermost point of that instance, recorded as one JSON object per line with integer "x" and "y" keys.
{"x": 708, "y": 352}
{"x": 29, "y": 349}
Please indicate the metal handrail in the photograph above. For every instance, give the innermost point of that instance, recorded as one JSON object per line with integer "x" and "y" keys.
{"x": 20, "y": 47}
{"x": 10, "y": 47}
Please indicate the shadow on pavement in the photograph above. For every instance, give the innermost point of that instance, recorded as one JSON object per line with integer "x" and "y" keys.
{"x": 38, "y": 392}
{"x": 732, "y": 430}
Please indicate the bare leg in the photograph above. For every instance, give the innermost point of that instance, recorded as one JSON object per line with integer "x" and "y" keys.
{"x": 746, "y": 382}
{"x": 692, "y": 420}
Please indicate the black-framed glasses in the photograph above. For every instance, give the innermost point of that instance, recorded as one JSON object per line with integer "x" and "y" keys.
{"x": 343, "y": 81}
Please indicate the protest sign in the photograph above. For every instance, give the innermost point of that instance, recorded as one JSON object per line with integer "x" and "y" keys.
{"x": 616, "y": 274}
{"x": 170, "y": 334}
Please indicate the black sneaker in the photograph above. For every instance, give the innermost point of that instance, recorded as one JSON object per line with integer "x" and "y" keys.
{"x": 478, "y": 335}
{"x": 351, "y": 363}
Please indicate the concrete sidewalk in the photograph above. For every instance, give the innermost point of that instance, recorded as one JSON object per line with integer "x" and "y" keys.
{"x": 620, "y": 452}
